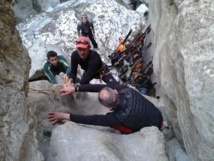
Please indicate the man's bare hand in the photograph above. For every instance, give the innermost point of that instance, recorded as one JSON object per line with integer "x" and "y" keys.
{"x": 54, "y": 117}
{"x": 66, "y": 79}
{"x": 67, "y": 89}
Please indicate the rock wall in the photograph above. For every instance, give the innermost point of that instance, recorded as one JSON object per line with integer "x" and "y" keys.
{"x": 183, "y": 64}
{"x": 16, "y": 126}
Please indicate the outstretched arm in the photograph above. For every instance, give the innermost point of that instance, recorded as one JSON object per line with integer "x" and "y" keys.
{"x": 48, "y": 73}
{"x": 109, "y": 119}
{"x": 68, "y": 89}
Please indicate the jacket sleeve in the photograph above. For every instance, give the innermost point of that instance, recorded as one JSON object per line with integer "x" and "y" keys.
{"x": 74, "y": 64}
{"x": 66, "y": 66}
{"x": 91, "y": 87}
{"x": 109, "y": 119}
{"x": 48, "y": 73}
{"x": 98, "y": 87}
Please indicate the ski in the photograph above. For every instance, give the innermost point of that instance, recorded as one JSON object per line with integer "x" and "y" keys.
{"x": 127, "y": 36}
{"x": 140, "y": 38}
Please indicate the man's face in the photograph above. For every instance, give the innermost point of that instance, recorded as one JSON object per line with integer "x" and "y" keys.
{"x": 84, "y": 20}
{"x": 83, "y": 52}
{"x": 54, "y": 60}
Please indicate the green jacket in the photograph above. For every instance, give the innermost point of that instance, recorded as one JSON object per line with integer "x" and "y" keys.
{"x": 51, "y": 71}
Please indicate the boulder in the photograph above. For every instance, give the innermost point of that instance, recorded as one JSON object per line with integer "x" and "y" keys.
{"x": 75, "y": 142}
{"x": 17, "y": 128}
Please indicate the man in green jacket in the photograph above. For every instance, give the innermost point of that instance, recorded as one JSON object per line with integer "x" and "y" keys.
{"x": 54, "y": 65}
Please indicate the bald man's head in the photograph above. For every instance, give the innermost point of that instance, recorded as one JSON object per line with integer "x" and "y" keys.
{"x": 108, "y": 97}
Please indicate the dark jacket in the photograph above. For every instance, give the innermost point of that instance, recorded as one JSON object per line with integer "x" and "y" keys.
{"x": 91, "y": 66}
{"x": 135, "y": 111}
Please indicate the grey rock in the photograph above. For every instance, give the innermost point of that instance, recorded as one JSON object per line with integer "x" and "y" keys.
{"x": 183, "y": 64}
{"x": 17, "y": 128}
{"x": 75, "y": 142}
{"x": 175, "y": 151}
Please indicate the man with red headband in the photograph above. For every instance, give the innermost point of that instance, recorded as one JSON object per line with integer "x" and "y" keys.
{"x": 90, "y": 61}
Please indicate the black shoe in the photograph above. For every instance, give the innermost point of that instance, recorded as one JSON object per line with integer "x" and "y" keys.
{"x": 47, "y": 133}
